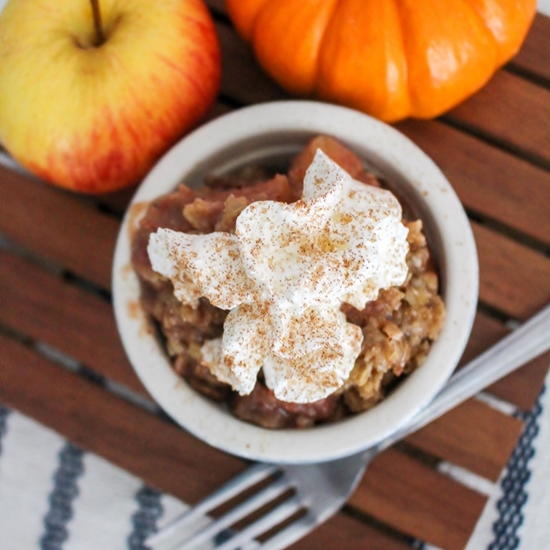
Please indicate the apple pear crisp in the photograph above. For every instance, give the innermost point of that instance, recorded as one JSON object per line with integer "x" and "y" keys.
{"x": 267, "y": 363}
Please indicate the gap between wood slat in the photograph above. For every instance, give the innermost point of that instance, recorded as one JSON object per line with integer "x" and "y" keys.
{"x": 455, "y": 513}
{"x": 493, "y": 183}
{"x": 510, "y": 112}
{"x": 76, "y": 322}
{"x": 58, "y": 225}
{"x": 521, "y": 387}
{"x": 486, "y": 430}
{"x": 534, "y": 56}
{"x": 526, "y": 74}
{"x": 513, "y": 279}
{"x": 510, "y": 233}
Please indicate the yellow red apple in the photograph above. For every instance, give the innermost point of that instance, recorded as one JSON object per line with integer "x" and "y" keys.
{"x": 93, "y": 91}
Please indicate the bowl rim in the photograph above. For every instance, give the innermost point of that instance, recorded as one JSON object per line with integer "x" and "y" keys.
{"x": 207, "y": 420}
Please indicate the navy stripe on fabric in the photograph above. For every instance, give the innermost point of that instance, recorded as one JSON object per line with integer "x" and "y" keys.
{"x": 4, "y": 413}
{"x": 144, "y": 520}
{"x": 514, "y": 496}
{"x": 65, "y": 491}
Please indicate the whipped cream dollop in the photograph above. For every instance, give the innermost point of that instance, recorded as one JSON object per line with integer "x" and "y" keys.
{"x": 284, "y": 275}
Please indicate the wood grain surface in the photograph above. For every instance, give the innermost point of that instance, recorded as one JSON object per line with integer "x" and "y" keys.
{"x": 522, "y": 387}
{"x": 511, "y": 111}
{"x": 47, "y": 308}
{"x": 58, "y": 226}
{"x": 451, "y": 510}
{"x": 525, "y": 288}
{"x": 490, "y": 182}
{"x": 54, "y": 292}
{"x": 534, "y": 56}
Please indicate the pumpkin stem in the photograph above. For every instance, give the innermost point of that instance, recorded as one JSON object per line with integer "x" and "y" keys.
{"x": 98, "y": 26}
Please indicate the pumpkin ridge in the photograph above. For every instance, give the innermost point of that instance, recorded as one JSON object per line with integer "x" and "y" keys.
{"x": 362, "y": 62}
{"x": 234, "y": 9}
{"x": 287, "y": 41}
{"x": 410, "y": 58}
{"x": 322, "y": 43}
{"x": 506, "y": 43}
{"x": 450, "y": 54}
{"x": 407, "y": 82}
{"x": 261, "y": 8}
{"x": 491, "y": 36}
{"x": 483, "y": 23}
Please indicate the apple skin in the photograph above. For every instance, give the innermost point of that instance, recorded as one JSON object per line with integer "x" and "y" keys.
{"x": 94, "y": 119}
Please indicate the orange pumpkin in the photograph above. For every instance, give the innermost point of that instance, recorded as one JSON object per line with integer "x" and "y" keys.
{"x": 389, "y": 58}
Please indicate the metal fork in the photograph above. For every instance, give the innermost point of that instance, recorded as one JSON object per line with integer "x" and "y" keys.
{"x": 321, "y": 489}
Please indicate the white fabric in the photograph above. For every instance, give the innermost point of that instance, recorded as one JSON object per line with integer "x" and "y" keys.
{"x": 104, "y": 507}
{"x": 102, "y": 510}
{"x": 534, "y": 532}
{"x": 28, "y": 453}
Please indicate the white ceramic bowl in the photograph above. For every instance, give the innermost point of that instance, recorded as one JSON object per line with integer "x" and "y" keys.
{"x": 275, "y": 131}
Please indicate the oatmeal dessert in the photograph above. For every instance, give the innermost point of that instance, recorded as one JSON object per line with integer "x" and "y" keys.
{"x": 295, "y": 299}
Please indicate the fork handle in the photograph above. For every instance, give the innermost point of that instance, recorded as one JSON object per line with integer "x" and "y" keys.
{"x": 513, "y": 351}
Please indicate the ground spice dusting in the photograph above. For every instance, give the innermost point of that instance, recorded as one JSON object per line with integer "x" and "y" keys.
{"x": 389, "y": 336}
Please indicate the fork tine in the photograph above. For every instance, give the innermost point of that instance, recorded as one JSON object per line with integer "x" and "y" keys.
{"x": 291, "y": 533}
{"x": 252, "y": 475}
{"x": 265, "y": 523}
{"x": 267, "y": 494}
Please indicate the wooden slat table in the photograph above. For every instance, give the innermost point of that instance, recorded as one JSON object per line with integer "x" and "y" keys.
{"x": 54, "y": 295}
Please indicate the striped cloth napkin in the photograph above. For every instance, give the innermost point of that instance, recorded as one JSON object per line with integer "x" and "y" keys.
{"x": 55, "y": 496}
